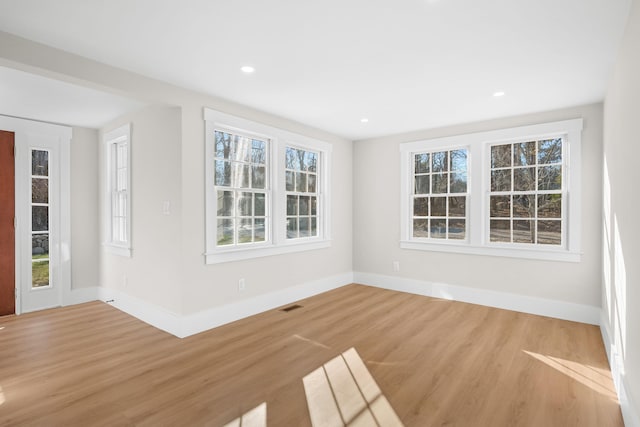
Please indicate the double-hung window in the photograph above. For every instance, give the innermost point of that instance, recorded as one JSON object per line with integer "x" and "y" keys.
{"x": 510, "y": 192}
{"x": 117, "y": 200}
{"x": 267, "y": 190}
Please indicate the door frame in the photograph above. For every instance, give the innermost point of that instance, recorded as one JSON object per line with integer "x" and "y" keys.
{"x": 56, "y": 138}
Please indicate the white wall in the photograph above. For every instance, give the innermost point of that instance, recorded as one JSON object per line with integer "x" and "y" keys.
{"x": 621, "y": 242}
{"x": 152, "y": 273}
{"x": 85, "y": 247}
{"x": 376, "y": 222}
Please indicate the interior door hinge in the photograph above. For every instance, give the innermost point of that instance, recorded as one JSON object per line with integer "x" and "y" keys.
{"x": 15, "y": 223}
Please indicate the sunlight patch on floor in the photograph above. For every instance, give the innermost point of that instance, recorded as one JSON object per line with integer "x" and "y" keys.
{"x": 342, "y": 392}
{"x": 596, "y": 379}
{"x": 256, "y": 417}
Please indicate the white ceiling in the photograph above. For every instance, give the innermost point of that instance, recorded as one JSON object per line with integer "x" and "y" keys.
{"x": 403, "y": 64}
{"x": 38, "y": 98}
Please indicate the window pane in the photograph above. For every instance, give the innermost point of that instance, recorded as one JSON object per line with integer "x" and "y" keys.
{"x": 501, "y": 180}
{"x": 241, "y": 149}
{"x": 310, "y": 161}
{"x": 245, "y": 230}
{"x": 549, "y": 206}
{"x": 438, "y": 228}
{"x": 301, "y": 182}
{"x": 500, "y": 230}
{"x": 459, "y": 161}
{"x": 458, "y": 183}
{"x": 223, "y": 145}
{"x": 40, "y": 274}
{"x": 303, "y": 206}
{"x": 259, "y": 230}
{"x": 311, "y": 182}
{"x": 40, "y": 162}
{"x": 258, "y": 204}
{"x": 292, "y": 228}
{"x": 422, "y": 184}
{"x": 421, "y": 206}
{"x": 438, "y": 206}
{"x": 457, "y": 206}
{"x": 244, "y": 204}
{"x": 223, "y": 173}
{"x": 422, "y": 163}
{"x": 39, "y": 218}
{"x": 39, "y": 190}
{"x": 500, "y": 206}
{"x": 257, "y": 177}
{"x": 225, "y": 232}
{"x": 314, "y": 226}
{"x": 225, "y": 203}
{"x": 40, "y": 246}
{"x": 440, "y": 161}
{"x": 457, "y": 228}
{"x": 421, "y": 228}
{"x": 550, "y": 177}
{"x": 440, "y": 183}
{"x": 258, "y": 151}
{"x": 501, "y": 156}
{"x": 290, "y": 181}
{"x": 121, "y": 179}
{"x": 549, "y": 232}
{"x": 524, "y": 232}
{"x": 304, "y": 226}
{"x": 524, "y": 206}
{"x": 294, "y": 158}
{"x": 314, "y": 205}
{"x": 524, "y": 154}
{"x": 240, "y": 175}
{"x": 524, "y": 179}
{"x": 292, "y": 205}
{"x": 550, "y": 151}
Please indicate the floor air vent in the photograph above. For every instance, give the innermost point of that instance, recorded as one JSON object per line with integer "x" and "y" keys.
{"x": 291, "y": 308}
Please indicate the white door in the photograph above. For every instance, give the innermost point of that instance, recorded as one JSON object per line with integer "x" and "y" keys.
{"x": 42, "y": 213}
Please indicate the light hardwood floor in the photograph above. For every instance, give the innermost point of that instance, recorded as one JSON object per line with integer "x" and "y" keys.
{"x": 437, "y": 362}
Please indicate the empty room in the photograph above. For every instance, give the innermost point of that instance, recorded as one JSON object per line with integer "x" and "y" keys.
{"x": 336, "y": 213}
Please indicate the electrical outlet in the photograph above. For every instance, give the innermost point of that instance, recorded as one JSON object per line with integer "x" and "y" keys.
{"x": 241, "y": 285}
{"x": 396, "y": 266}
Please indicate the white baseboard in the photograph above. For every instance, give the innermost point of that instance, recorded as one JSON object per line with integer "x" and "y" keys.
{"x": 629, "y": 411}
{"x": 522, "y": 303}
{"x": 149, "y": 313}
{"x": 218, "y": 316}
{"x": 184, "y": 326}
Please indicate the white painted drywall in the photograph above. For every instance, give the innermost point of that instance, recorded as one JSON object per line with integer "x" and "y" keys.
{"x": 621, "y": 241}
{"x": 153, "y": 271}
{"x": 85, "y": 247}
{"x": 376, "y": 221}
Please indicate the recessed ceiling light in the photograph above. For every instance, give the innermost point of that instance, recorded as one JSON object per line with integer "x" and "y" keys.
{"x": 498, "y": 94}
{"x": 248, "y": 69}
{"x": 364, "y": 120}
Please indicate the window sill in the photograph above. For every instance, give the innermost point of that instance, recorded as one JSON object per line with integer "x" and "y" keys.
{"x": 546, "y": 254}
{"x": 221, "y": 256}
{"x": 123, "y": 251}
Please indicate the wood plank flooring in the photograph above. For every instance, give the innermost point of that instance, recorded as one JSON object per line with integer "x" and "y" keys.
{"x": 437, "y": 362}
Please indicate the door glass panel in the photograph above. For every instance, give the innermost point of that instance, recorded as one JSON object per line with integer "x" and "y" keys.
{"x": 40, "y": 270}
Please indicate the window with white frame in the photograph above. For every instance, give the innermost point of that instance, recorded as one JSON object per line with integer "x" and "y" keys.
{"x": 301, "y": 169}
{"x": 241, "y": 188}
{"x": 440, "y": 194}
{"x": 511, "y": 192}
{"x": 117, "y": 200}
{"x": 267, "y": 190}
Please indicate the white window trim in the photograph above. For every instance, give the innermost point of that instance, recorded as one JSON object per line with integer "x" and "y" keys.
{"x": 123, "y": 133}
{"x": 276, "y": 242}
{"x": 478, "y": 192}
